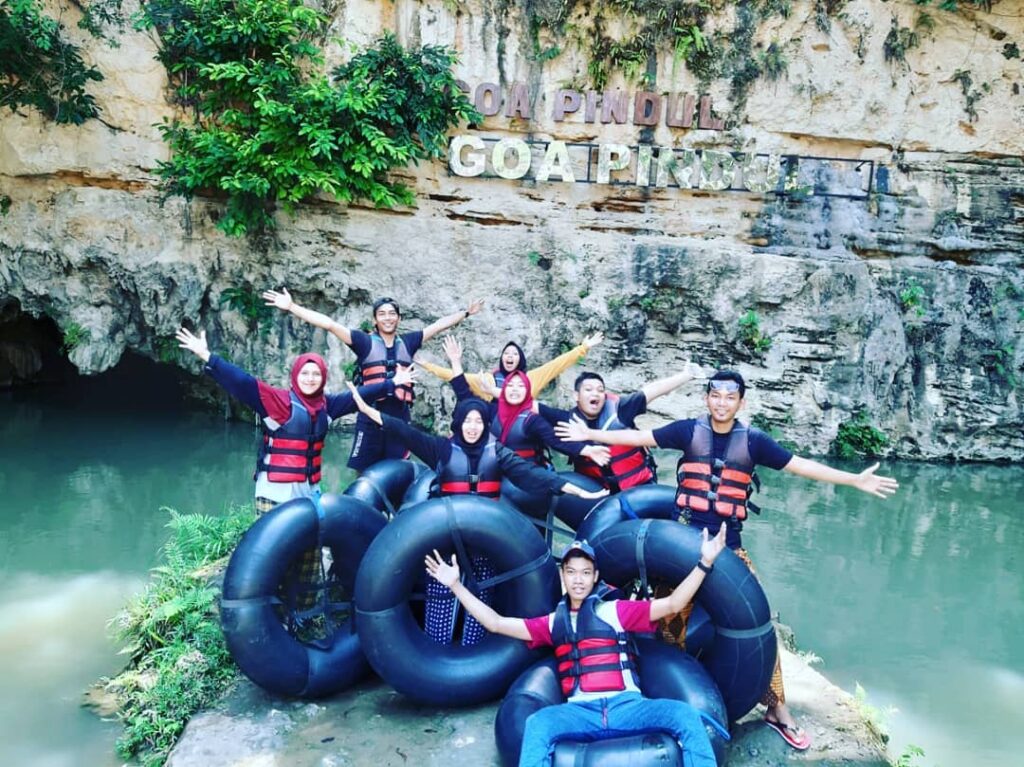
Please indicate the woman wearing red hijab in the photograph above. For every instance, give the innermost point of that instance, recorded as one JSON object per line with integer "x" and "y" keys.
{"x": 513, "y": 421}
{"x": 295, "y": 420}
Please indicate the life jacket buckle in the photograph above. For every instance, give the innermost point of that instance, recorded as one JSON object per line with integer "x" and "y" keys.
{"x": 718, "y": 464}
{"x": 711, "y": 496}
{"x": 715, "y": 479}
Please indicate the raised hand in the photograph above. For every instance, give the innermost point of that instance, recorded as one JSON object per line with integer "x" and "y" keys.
{"x": 476, "y": 306}
{"x": 572, "y": 431}
{"x": 591, "y": 341}
{"x": 452, "y": 350}
{"x": 446, "y": 574}
{"x": 692, "y": 370}
{"x": 869, "y": 482}
{"x": 710, "y": 547}
{"x": 599, "y": 454}
{"x": 357, "y": 397}
{"x": 282, "y": 300}
{"x": 195, "y": 344}
{"x": 405, "y": 376}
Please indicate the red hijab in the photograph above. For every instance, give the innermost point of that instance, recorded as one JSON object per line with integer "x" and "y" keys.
{"x": 315, "y": 401}
{"x": 508, "y": 413}
{"x": 278, "y": 402}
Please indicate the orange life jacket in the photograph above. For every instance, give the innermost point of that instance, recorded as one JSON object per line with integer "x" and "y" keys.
{"x": 377, "y": 366}
{"x": 291, "y": 451}
{"x": 708, "y": 485}
{"x": 589, "y": 657}
{"x": 629, "y": 466}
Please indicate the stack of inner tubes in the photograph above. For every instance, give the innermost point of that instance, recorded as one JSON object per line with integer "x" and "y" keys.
{"x": 467, "y": 526}
{"x": 255, "y": 619}
{"x": 381, "y": 565}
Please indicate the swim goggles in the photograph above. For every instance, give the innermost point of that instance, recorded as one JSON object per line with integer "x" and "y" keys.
{"x": 723, "y": 385}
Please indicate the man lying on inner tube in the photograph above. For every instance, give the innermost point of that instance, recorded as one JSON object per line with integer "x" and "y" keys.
{"x": 715, "y": 477}
{"x": 596, "y": 662}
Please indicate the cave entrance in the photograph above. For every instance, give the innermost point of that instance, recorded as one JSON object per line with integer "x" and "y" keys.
{"x": 34, "y": 364}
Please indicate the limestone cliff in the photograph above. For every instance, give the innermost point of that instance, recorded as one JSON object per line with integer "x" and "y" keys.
{"x": 901, "y": 299}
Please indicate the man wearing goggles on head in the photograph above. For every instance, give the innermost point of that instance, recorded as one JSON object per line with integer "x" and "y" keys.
{"x": 715, "y": 478}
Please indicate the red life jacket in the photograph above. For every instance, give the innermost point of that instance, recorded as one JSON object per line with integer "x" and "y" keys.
{"x": 629, "y": 466}
{"x": 589, "y": 657}
{"x": 291, "y": 451}
{"x": 453, "y": 477}
{"x": 377, "y": 366}
{"x": 715, "y": 486}
{"x": 520, "y": 441}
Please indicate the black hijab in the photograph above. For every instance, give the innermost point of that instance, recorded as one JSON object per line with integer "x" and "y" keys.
{"x": 462, "y": 409}
{"x": 522, "y": 359}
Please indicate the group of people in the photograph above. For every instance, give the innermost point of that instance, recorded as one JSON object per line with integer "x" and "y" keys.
{"x": 500, "y": 431}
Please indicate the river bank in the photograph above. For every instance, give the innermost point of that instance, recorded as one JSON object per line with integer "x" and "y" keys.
{"x": 373, "y": 725}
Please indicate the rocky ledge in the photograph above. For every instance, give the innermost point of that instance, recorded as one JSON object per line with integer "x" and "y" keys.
{"x": 373, "y": 725}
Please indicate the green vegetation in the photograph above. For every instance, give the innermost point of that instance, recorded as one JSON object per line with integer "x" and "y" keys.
{"x": 857, "y": 437}
{"x": 751, "y": 334}
{"x": 874, "y": 717}
{"x": 911, "y": 297}
{"x": 270, "y": 129}
{"x": 971, "y": 94}
{"x": 760, "y": 421}
{"x": 247, "y": 301}
{"x": 615, "y": 303}
{"x": 167, "y": 349}
{"x": 74, "y": 336}
{"x": 900, "y": 40}
{"x": 773, "y": 62}
{"x": 909, "y": 756}
{"x": 5, "y": 204}
{"x": 40, "y": 69}
{"x": 999, "y": 360}
{"x": 178, "y": 663}
{"x": 648, "y": 26}
{"x": 824, "y": 10}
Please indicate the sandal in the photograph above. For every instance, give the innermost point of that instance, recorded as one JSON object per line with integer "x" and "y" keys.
{"x": 794, "y": 736}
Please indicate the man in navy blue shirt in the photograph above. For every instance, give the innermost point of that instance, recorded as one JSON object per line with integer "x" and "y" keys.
{"x": 621, "y": 467}
{"x": 379, "y": 354}
{"x": 714, "y": 478}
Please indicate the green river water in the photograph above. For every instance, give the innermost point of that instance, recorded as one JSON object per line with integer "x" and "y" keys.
{"x": 919, "y": 599}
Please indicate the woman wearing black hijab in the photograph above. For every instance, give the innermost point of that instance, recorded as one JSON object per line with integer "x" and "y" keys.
{"x": 470, "y": 461}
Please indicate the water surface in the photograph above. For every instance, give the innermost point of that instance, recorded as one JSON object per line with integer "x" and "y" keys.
{"x": 917, "y": 598}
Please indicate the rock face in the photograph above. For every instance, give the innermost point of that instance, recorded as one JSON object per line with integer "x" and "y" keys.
{"x": 903, "y": 301}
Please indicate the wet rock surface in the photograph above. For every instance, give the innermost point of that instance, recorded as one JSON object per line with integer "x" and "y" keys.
{"x": 373, "y": 725}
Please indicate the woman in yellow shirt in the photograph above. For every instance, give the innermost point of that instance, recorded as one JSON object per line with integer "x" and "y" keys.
{"x": 487, "y": 386}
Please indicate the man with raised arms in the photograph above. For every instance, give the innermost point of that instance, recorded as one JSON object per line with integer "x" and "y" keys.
{"x": 714, "y": 477}
{"x": 624, "y": 466}
{"x": 602, "y": 689}
{"x": 379, "y": 355}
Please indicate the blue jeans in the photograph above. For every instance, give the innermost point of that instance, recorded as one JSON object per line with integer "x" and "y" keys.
{"x": 627, "y": 713}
